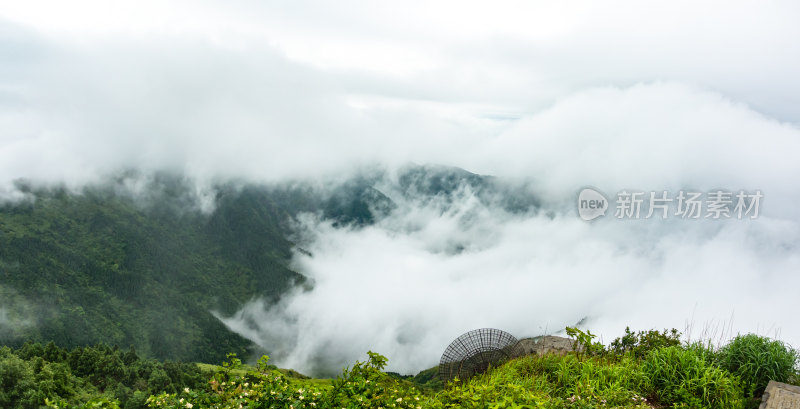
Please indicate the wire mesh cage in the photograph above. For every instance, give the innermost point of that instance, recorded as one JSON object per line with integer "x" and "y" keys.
{"x": 476, "y": 350}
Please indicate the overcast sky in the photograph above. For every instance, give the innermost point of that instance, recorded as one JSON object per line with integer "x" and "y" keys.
{"x": 244, "y": 87}
{"x": 616, "y": 95}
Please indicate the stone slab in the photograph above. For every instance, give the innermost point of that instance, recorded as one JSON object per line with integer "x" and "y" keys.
{"x": 547, "y": 345}
{"x": 780, "y": 396}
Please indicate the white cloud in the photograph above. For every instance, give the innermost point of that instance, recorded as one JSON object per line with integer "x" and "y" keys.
{"x": 402, "y": 289}
{"x": 402, "y": 283}
{"x": 240, "y": 88}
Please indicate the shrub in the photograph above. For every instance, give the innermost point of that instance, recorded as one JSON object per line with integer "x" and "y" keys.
{"x": 757, "y": 360}
{"x": 362, "y": 386}
{"x": 365, "y": 386}
{"x": 688, "y": 376}
{"x": 583, "y": 341}
{"x": 547, "y": 382}
{"x": 235, "y": 388}
{"x": 642, "y": 342}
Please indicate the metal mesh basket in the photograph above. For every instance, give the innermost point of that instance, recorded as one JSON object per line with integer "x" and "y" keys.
{"x": 475, "y": 351}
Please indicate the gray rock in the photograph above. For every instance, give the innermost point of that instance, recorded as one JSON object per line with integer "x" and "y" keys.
{"x": 780, "y": 396}
{"x": 548, "y": 344}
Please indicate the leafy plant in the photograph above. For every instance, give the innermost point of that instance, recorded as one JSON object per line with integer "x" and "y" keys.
{"x": 549, "y": 381}
{"x": 757, "y": 360}
{"x": 642, "y": 342}
{"x": 583, "y": 341}
{"x": 94, "y": 403}
{"x": 677, "y": 375}
{"x": 232, "y": 389}
{"x": 365, "y": 386}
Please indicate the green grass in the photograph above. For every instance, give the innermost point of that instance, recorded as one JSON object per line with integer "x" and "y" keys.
{"x": 296, "y": 379}
{"x": 688, "y": 375}
{"x": 550, "y": 381}
{"x": 644, "y": 375}
{"x": 647, "y": 375}
{"x": 757, "y": 360}
{"x": 675, "y": 376}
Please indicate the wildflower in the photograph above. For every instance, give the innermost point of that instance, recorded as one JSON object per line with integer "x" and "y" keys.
{"x": 399, "y": 400}
{"x": 186, "y": 390}
{"x": 189, "y": 405}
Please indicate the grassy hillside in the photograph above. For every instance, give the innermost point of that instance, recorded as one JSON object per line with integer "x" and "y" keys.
{"x": 637, "y": 371}
{"x": 643, "y": 370}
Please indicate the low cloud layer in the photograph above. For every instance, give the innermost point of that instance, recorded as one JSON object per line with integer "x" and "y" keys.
{"x": 410, "y": 284}
{"x": 422, "y": 276}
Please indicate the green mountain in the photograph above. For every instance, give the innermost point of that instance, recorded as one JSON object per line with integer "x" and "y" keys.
{"x": 99, "y": 266}
{"x": 139, "y": 261}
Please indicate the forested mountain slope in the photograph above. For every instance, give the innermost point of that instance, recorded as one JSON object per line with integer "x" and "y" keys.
{"x": 144, "y": 260}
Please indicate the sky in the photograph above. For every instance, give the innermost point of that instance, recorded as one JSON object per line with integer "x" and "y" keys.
{"x": 556, "y": 95}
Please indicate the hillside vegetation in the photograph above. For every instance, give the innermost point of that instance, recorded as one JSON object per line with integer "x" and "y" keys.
{"x": 99, "y": 266}
{"x": 145, "y": 260}
{"x": 648, "y": 369}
